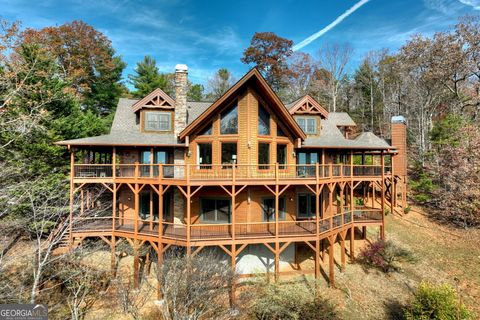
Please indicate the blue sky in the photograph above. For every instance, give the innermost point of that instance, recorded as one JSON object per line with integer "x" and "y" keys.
{"x": 208, "y": 35}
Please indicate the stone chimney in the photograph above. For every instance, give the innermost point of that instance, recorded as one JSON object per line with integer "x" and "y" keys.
{"x": 181, "y": 88}
{"x": 399, "y": 141}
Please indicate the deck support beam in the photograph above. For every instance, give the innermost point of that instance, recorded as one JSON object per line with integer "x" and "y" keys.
{"x": 331, "y": 261}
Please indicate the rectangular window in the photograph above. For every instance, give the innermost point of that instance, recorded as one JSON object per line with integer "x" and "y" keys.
{"x": 263, "y": 155}
{"x": 308, "y": 125}
{"x": 282, "y": 156}
{"x": 163, "y": 157}
{"x": 215, "y": 210}
{"x": 144, "y": 210}
{"x": 268, "y": 209}
{"x": 309, "y": 159}
{"x": 158, "y": 121}
{"x": 229, "y": 153}
{"x": 280, "y": 132}
{"x": 263, "y": 121}
{"x": 145, "y": 163}
{"x": 306, "y": 205}
{"x": 204, "y": 153}
{"x": 229, "y": 121}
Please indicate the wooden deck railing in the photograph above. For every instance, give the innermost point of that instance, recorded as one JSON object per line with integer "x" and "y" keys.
{"x": 250, "y": 230}
{"x": 224, "y": 172}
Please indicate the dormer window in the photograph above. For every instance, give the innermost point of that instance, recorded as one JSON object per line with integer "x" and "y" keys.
{"x": 158, "y": 121}
{"x": 308, "y": 124}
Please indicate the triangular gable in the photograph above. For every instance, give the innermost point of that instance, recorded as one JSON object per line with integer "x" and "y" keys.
{"x": 308, "y": 105}
{"x": 263, "y": 88}
{"x": 155, "y": 99}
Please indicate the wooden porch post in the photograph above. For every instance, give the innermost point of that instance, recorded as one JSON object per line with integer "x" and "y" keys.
{"x": 342, "y": 248}
{"x": 159, "y": 272}
{"x": 382, "y": 228}
{"x": 277, "y": 260}
{"x": 136, "y": 267}
{"x": 113, "y": 261}
{"x": 331, "y": 270}
{"x": 137, "y": 210}
{"x": 114, "y": 163}
{"x": 234, "y": 265}
{"x": 160, "y": 213}
{"x": 189, "y": 248}
{"x": 393, "y": 192}
{"x": 114, "y": 205}
{"x": 72, "y": 186}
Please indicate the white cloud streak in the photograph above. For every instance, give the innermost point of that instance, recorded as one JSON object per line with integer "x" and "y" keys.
{"x": 475, "y": 4}
{"x": 332, "y": 25}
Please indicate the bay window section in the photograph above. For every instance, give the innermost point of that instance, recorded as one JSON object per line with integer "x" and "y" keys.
{"x": 215, "y": 210}
{"x": 229, "y": 121}
{"x": 263, "y": 121}
{"x": 263, "y": 156}
{"x": 204, "y": 155}
{"x": 229, "y": 154}
{"x": 306, "y": 205}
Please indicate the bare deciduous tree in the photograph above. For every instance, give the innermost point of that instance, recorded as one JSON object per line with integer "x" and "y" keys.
{"x": 195, "y": 287}
{"x": 334, "y": 59}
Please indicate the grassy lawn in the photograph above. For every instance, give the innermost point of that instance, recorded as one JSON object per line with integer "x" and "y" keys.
{"x": 442, "y": 255}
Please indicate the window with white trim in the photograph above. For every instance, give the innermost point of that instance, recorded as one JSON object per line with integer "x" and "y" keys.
{"x": 158, "y": 121}
{"x": 308, "y": 124}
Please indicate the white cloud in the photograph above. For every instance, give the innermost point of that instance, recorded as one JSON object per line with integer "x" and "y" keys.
{"x": 475, "y": 4}
{"x": 332, "y": 25}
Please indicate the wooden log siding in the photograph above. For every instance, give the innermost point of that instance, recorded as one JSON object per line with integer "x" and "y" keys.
{"x": 244, "y": 184}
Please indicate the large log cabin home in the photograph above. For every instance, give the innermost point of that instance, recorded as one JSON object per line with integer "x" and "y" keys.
{"x": 260, "y": 181}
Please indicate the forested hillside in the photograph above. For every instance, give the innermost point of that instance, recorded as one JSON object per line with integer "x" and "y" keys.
{"x": 63, "y": 82}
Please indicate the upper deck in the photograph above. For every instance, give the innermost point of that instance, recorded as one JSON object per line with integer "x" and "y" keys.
{"x": 226, "y": 174}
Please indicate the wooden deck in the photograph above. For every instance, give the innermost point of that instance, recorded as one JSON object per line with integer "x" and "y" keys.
{"x": 224, "y": 174}
{"x": 149, "y": 230}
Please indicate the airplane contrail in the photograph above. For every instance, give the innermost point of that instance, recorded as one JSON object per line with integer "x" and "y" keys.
{"x": 339, "y": 19}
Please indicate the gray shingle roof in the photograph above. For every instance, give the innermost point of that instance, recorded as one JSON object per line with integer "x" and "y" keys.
{"x": 126, "y": 131}
{"x": 332, "y": 137}
{"x": 195, "y": 109}
{"x": 341, "y": 119}
{"x": 369, "y": 139}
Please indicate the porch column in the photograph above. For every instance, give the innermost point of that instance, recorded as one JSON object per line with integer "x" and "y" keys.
{"x": 382, "y": 228}
{"x": 159, "y": 270}
{"x": 331, "y": 274}
{"x": 72, "y": 186}
{"x": 189, "y": 248}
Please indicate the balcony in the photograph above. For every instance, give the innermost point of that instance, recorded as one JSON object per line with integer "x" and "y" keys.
{"x": 209, "y": 232}
{"x": 225, "y": 172}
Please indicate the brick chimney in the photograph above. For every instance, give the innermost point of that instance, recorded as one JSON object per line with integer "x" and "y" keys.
{"x": 181, "y": 88}
{"x": 399, "y": 141}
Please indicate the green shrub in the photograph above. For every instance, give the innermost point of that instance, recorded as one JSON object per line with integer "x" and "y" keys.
{"x": 421, "y": 197}
{"x": 407, "y": 209}
{"x": 436, "y": 302}
{"x": 384, "y": 255}
{"x": 277, "y": 301}
{"x": 359, "y": 201}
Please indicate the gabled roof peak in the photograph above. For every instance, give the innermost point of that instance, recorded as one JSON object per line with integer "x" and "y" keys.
{"x": 155, "y": 99}
{"x": 308, "y": 105}
{"x": 263, "y": 88}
